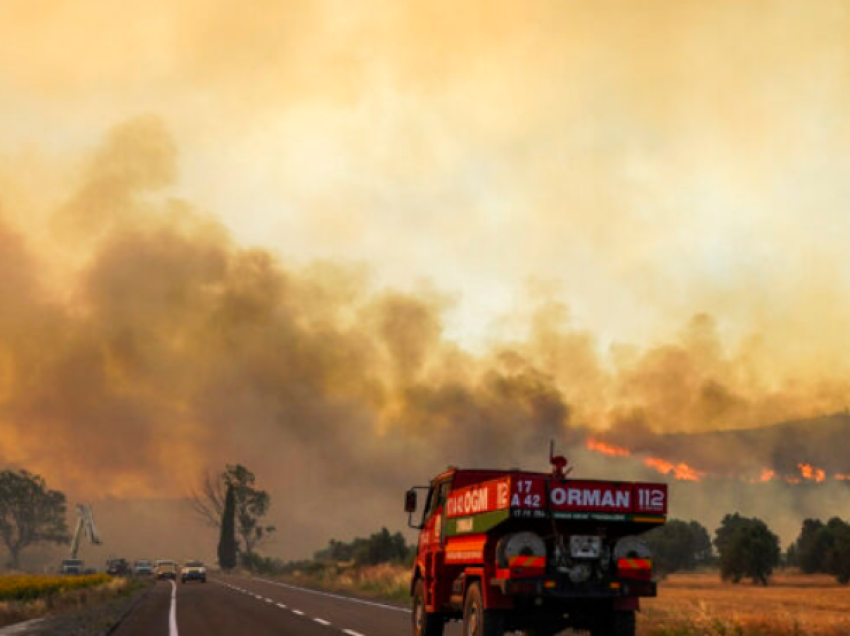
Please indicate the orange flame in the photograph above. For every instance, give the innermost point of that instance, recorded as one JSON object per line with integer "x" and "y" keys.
{"x": 607, "y": 449}
{"x": 766, "y": 475}
{"x": 810, "y": 473}
{"x": 680, "y": 471}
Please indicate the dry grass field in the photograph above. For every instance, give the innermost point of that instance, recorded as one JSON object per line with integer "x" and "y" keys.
{"x": 687, "y": 604}
{"x": 702, "y": 605}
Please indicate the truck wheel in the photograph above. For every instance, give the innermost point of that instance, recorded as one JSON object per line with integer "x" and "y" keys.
{"x": 616, "y": 624}
{"x": 424, "y": 624}
{"x": 476, "y": 620}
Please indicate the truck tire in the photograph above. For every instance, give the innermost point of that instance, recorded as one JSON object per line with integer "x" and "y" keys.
{"x": 478, "y": 621}
{"x": 424, "y": 624}
{"x": 615, "y": 624}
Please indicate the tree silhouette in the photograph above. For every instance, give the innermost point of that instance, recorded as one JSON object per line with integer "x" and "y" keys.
{"x": 227, "y": 541}
{"x": 30, "y": 513}
{"x": 747, "y": 548}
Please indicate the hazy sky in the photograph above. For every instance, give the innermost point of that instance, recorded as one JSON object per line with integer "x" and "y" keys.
{"x": 502, "y": 217}
{"x": 644, "y": 161}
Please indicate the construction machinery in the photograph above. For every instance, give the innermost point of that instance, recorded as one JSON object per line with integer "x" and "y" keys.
{"x": 85, "y": 523}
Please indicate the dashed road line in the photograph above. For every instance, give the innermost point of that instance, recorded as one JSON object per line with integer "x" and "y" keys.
{"x": 320, "y": 621}
{"x": 172, "y": 614}
{"x": 337, "y": 596}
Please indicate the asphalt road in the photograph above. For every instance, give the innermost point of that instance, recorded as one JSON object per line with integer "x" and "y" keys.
{"x": 235, "y": 605}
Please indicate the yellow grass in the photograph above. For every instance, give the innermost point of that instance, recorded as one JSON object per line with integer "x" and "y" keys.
{"x": 792, "y": 605}
{"x": 28, "y": 596}
{"x": 387, "y": 580}
{"x": 22, "y": 587}
{"x": 687, "y": 604}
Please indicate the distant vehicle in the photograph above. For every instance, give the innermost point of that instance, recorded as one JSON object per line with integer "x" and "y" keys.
{"x": 193, "y": 571}
{"x": 143, "y": 567}
{"x": 117, "y": 567}
{"x": 72, "y": 566}
{"x": 165, "y": 569}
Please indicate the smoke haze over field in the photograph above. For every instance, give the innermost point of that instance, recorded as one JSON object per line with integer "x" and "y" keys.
{"x": 347, "y": 247}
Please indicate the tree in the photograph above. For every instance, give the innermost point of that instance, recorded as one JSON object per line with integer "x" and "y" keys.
{"x": 252, "y": 504}
{"x": 837, "y": 558}
{"x": 810, "y": 547}
{"x": 824, "y": 547}
{"x": 227, "y": 540}
{"x": 30, "y": 513}
{"x": 747, "y": 548}
{"x": 379, "y": 547}
{"x": 679, "y": 545}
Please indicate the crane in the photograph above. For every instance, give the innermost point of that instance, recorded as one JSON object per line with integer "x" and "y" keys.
{"x": 85, "y": 522}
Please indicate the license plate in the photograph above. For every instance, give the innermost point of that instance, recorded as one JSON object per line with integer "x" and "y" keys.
{"x": 585, "y": 547}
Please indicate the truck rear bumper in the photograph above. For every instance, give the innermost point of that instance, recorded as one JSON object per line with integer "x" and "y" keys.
{"x": 553, "y": 587}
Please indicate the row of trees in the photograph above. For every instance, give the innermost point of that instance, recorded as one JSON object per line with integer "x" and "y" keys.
{"x": 823, "y": 547}
{"x": 31, "y": 514}
{"x": 745, "y": 547}
{"x": 379, "y": 547}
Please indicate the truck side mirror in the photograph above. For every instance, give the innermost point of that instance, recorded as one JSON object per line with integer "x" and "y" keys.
{"x": 410, "y": 504}
{"x": 410, "y": 501}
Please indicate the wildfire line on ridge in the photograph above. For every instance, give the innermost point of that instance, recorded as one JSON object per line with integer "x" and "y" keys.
{"x": 682, "y": 471}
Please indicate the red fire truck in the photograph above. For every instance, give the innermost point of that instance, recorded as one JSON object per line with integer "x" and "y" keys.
{"x": 510, "y": 550}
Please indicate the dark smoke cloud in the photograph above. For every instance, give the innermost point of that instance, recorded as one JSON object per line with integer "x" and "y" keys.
{"x": 173, "y": 351}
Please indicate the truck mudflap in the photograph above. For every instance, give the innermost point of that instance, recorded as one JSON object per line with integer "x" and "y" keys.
{"x": 554, "y": 587}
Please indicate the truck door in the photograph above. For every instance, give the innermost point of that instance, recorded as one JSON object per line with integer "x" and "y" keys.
{"x": 431, "y": 545}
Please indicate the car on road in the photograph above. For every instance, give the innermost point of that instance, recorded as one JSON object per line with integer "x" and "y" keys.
{"x": 117, "y": 567}
{"x": 165, "y": 569}
{"x": 193, "y": 571}
{"x": 143, "y": 567}
{"x": 72, "y": 566}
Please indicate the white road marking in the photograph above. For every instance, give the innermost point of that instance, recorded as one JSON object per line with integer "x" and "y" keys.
{"x": 351, "y": 632}
{"x": 172, "y": 614}
{"x": 268, "y": 600}
{"x": 322, "y": 621}
{"x": 337, "y": 596}
{"x": 299, "y": 612}
{"x": 281, "y": 605}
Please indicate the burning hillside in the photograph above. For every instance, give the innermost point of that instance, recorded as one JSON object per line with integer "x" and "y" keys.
{"x": 809, "y": 451}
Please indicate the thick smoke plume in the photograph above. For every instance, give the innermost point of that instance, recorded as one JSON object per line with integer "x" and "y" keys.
{"x": 149, "y": 347}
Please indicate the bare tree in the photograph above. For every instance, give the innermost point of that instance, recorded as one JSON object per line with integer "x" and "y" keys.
{"x": 252, "y": 504}
{"x": 208, "y": 502}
